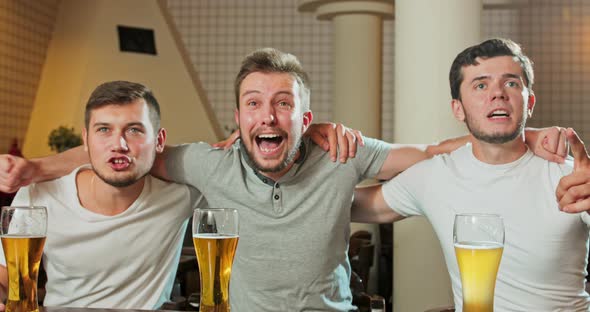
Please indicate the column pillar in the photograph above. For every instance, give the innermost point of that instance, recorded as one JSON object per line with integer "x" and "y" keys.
{"x": 357, "y": 61}
{"x": 428, "y": 36}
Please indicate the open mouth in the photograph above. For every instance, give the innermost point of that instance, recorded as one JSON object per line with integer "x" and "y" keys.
{"x": 499, "y": 114}
{"x": 269, "y": 142}
{"x": 119, "y": 163}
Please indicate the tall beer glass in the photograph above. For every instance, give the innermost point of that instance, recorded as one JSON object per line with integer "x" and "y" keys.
{"x": 23, "y": 237}
{"x": 215, "y": 235}
{"x": 479, "y": 243}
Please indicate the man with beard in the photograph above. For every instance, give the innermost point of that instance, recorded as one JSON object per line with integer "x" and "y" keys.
{"x": 103, "y": 219}
{"x": 543, "y": 267}
{"x": 293, "y": 200}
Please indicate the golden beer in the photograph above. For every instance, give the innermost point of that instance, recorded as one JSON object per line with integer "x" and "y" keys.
{"x": 478, "y": 265}
{"x": 23, "y": 255}
{"x": 215, "y": 254}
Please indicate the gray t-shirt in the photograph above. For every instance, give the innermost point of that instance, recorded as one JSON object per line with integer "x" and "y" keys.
{"x": 292, "y": 253}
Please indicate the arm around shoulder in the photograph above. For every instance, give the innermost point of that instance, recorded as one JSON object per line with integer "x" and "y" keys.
{"x": 179, "y": 162}
{"x": 369, "y": 206}
{"x": 401, "y": 156}
{"x": 448, "y": 145}
{"x": 159, "y": 168}
{"x": 58, "y": 165}
{"x": 16, "y": 172}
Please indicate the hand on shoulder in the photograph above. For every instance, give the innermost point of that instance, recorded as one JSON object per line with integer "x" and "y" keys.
{"x": 573, "y": 191}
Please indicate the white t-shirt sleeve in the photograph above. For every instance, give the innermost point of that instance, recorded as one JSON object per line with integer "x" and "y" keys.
{"x": 404, "y": 192}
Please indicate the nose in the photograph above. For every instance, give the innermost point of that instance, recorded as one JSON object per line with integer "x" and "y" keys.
{"x": 498, "y": 92}
{"x": 270, "y": 118}
{"x": 120, "y": 144}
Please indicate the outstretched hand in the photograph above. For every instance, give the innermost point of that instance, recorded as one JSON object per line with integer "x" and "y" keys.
{"x": 15, "y": 172}
{"x": 333, "y": 138}
{"x": 573, "y": 191}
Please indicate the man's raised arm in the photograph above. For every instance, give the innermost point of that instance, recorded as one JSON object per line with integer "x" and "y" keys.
{"x": 369, "y": 206}
{"x": 548, "y": 143}
{"x": 16, "y": 172}
{"x": 159, "y": 168}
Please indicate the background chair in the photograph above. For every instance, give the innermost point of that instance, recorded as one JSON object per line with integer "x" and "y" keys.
{"x": 41, "y": 281}
{"x": 360, "y": 253}
{"x": 385, "y": 261}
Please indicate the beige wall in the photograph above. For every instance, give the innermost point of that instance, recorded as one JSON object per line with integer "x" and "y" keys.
{"x": 84, "y": 52}
{"x": 25, "y": 32}
{"x": 421, "y": 280}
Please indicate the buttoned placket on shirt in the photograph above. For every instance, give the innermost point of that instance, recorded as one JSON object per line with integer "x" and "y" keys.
{"x": 277, "y": 193}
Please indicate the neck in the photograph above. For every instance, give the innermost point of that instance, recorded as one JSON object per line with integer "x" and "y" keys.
{"x": 275, "y": 176}
{"x": 497, "y": 154}
{"x": 102, "y": 198}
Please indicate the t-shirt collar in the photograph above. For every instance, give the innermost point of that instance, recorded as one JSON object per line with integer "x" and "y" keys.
{"x": 265, "y": 179}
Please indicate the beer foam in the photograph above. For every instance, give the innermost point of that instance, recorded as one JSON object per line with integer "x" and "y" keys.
{"x": 479, "y": 245}
{"x": 214, "y": 235}
{"x": 21, "y": 236}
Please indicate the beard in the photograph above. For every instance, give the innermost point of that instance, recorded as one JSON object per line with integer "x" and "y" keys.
{"x": 124, "y": 179}
{"x": 494, "y": 138}
{"x": 119, "y": 182}
{"x": 287, "y": 158}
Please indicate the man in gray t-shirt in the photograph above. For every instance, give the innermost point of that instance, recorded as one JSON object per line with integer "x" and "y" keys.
{"x": 293, "y": 201}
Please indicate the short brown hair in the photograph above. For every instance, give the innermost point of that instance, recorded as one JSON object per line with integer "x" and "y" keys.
{"x": 270, "y": 60}
{"x": 487, "y": 49}
{"x": 121, "y": 93}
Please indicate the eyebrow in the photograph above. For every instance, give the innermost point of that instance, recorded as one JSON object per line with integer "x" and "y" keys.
{"x": 259, "y": 92}
{"x": 136, "y": 123}
{"x": 507, "y": 75}
{"x": 103, "y": 124}
{"x": 100, "y": 124}
{"x": 250, "y": 92}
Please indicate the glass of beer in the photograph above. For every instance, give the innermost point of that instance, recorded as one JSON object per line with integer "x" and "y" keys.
{"x": 23, "y": 233}
{"x": 479, "y": 243}
{"x": 215, "y": 235}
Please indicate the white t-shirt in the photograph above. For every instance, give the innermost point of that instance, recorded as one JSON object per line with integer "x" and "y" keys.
{"x": 125, "y": 261}
{"x": 543, "y": 266}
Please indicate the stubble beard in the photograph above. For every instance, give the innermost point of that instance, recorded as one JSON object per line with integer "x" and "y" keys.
{"x": 495, "y": 138}
{"x": 288, "y": 157}
{"x": 121, "y": 182}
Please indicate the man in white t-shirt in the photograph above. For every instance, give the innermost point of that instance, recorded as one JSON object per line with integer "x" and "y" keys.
{"x": 103, "y": 219}
{"x": 543, "y": 267}
{"x": 114, "y": 231}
